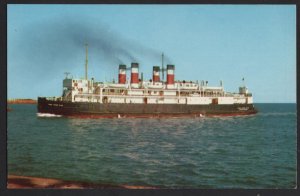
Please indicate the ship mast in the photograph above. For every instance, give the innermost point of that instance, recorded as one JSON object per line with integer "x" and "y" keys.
{"x": 162, "y": 67}
{"x": 86, "y": 61}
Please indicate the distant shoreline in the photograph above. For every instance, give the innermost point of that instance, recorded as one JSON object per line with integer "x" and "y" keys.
{"x": 24, "y": 182}
{"x": 22, "y": 101}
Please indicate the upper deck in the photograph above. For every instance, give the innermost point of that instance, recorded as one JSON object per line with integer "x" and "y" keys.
{"x": 149, "y": 92}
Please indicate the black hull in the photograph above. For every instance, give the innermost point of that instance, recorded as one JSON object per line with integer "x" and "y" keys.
{"x": 85, "y": 109}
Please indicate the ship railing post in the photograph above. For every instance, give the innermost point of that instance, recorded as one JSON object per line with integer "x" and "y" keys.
{"x": 100, "y": 95}
{"x": 178, "y": 93}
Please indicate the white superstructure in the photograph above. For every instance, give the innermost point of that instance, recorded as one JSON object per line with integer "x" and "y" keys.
{"x": 181, "y": 92}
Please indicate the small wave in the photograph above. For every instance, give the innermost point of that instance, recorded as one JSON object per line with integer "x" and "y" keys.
{"x": 278, "y": 114}
{"x": 47, "y": 115}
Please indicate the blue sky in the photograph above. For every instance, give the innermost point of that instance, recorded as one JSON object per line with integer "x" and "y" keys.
{"x": 205, "y": 42}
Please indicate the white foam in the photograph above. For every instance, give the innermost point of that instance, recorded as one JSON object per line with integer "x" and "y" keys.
{"x": 47, "y": 115}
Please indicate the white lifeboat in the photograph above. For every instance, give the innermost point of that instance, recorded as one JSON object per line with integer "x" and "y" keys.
{"x": 155, "y": 86}
{"x": 117, "y": 85}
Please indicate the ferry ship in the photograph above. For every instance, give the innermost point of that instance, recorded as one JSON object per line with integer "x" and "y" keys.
{"x": 136, "y": 97}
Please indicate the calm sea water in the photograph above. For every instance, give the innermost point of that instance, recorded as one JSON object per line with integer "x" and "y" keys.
{"x": 224, "y": 152}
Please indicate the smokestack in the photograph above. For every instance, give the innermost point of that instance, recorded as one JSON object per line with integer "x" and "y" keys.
{"x": 170, "y": 74}
{"x": 156, "y": 74}
{"x": 134, "y": 73}
{"x": 122, "y": 74}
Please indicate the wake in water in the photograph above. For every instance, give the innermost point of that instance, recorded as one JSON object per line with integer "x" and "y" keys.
{"x": 47, "y": 115}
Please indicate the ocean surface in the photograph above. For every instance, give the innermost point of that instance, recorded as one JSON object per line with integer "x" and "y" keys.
{"x": 257, "y": 151}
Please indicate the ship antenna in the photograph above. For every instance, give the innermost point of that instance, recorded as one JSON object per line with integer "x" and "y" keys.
{"x": 67, "y": 73}
{"x": 162, "y": 66}
{"x": 86, "y": 61}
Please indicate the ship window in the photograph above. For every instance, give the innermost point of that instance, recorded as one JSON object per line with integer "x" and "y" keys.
{"x": 112, "y": 90}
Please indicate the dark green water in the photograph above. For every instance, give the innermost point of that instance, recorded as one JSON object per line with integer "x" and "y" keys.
{"x": 227, "y": 152}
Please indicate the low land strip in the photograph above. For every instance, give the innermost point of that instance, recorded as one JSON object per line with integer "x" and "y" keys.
{"x": 21, "y": 101}
{"x": 25, "y": 182}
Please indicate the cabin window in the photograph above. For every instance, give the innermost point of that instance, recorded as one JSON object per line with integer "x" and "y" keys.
{"x": 112, "y": 90}
{"x": 104, "y": 99}
{"x": 215, "y": 101}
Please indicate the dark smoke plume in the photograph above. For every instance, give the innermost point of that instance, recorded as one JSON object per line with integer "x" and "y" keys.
{"x": 53, "y": 47}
